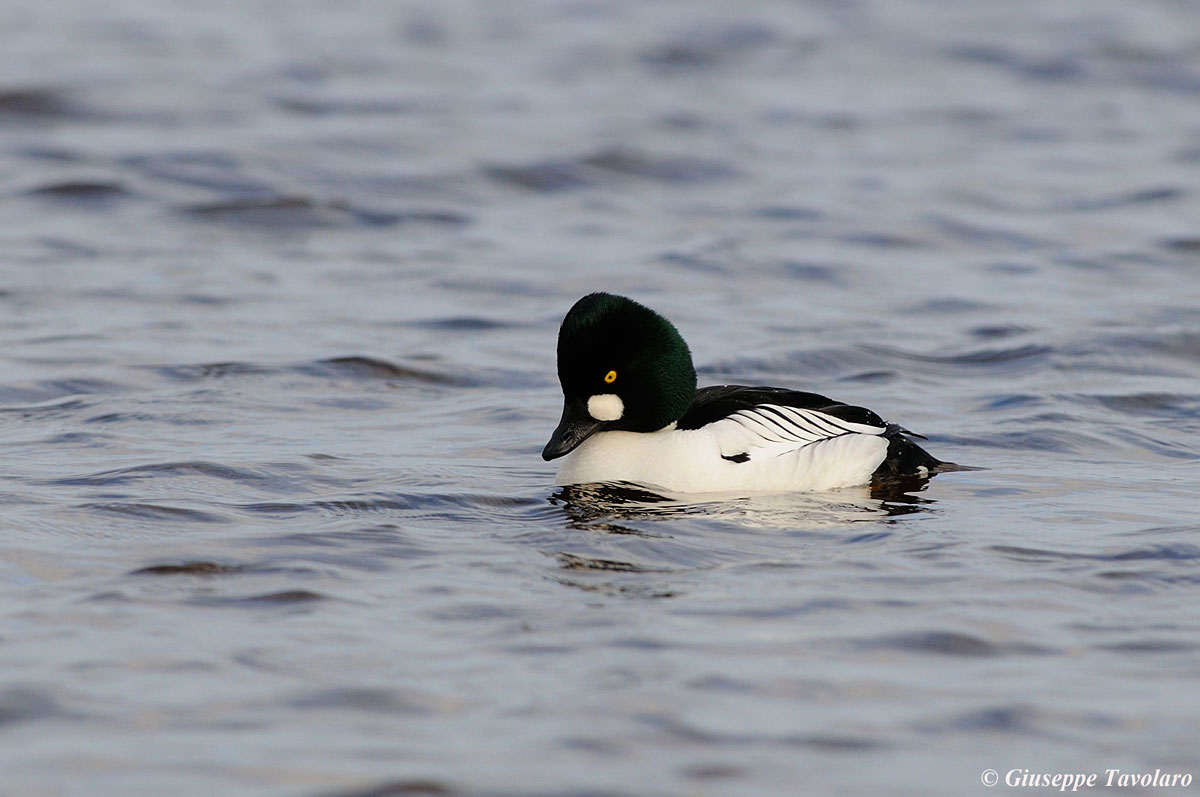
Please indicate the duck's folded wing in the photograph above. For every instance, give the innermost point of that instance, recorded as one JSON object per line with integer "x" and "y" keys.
{"x": 778, "y": 429}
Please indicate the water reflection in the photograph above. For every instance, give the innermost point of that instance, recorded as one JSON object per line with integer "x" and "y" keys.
{"x": 624, "y": 540}
{"x": 597, "y": 505}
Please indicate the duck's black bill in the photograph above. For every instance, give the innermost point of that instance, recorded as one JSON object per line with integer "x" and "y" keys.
{"x": 574, "y": 427}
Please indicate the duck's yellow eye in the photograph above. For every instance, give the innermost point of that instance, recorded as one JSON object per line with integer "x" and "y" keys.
{"x": 610, "y": 377}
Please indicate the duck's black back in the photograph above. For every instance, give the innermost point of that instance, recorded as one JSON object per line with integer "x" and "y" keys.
{"x": 720, "y": 401}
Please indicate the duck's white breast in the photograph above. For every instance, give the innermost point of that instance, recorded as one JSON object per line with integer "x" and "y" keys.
{"x": 690, "y": 462}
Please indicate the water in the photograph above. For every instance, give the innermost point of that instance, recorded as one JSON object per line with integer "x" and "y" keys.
{"x": 280, "y": 285}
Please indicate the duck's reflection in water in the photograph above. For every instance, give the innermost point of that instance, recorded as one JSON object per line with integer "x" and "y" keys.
{"x": 626, "y": 539}
{"x": 604, "y": 506}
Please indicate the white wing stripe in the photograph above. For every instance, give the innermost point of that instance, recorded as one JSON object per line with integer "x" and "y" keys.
{"x": 828, "y": 422}
{"x": 758, "y": 426}
{"x": 792, "y": 426}
{"x": 810, "y": 420}
{"x": 751, "y": 426}
{"x": 779, "y": 429}
{"x": 848, "y": 426}
{"x": 791, "y": 431}
{"x": 812, "y": 425}
{"x": 785, "y": 424}
{"x": 767, "y": 431}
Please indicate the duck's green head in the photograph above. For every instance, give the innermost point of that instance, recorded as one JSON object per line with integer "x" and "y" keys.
{"x": 622, "y": 366}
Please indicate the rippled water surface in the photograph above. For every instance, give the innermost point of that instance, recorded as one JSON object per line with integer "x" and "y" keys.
{"x": 280, "y": 284}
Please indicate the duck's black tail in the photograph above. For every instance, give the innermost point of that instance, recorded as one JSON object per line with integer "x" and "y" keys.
{"x": 906, "y": 459}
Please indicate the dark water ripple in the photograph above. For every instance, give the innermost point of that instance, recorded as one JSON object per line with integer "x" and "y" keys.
{"x": 143, "y": 511}
{"x": 289, "y": 597}
{"x": 1027, "y": 355}
{"x": 221, "y": 171}
{"x": 190, "y": 569}
{"x": 201, "y": 371}
{"x": 25, "y": 705}
{"x": 1183, "y": 551}
{"x": 949, "y": 643}
{"x": 368, "y": 548}
{"x": 602, "y": 166}
{"x": 82, "y": 190}
{"x": 359, "y": 367}
{"x": 335, "y": 368}
{"x": 434, "y": 788}
{"x": 187, "y": 470}
{"x": 388, "y": 701}
{"x": 705, "y": 48}
{"x": 53, "y": 390}
{"x": 38, "y": 104}
{"x": 306, "y": 212}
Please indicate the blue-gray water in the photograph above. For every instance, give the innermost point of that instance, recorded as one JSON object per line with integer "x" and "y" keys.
{"x": 280, "y": 288}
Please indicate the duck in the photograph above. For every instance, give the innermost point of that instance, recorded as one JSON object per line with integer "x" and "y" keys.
{"x": 632, "y": 414}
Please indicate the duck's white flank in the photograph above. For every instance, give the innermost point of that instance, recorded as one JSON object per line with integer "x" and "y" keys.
{"x": 780, "y": 448}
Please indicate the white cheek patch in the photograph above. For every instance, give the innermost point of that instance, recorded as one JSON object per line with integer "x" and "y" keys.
{"x": 606, "y": 407}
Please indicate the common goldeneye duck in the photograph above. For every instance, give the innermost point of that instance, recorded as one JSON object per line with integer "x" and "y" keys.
{"x": 632, "y": 413}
